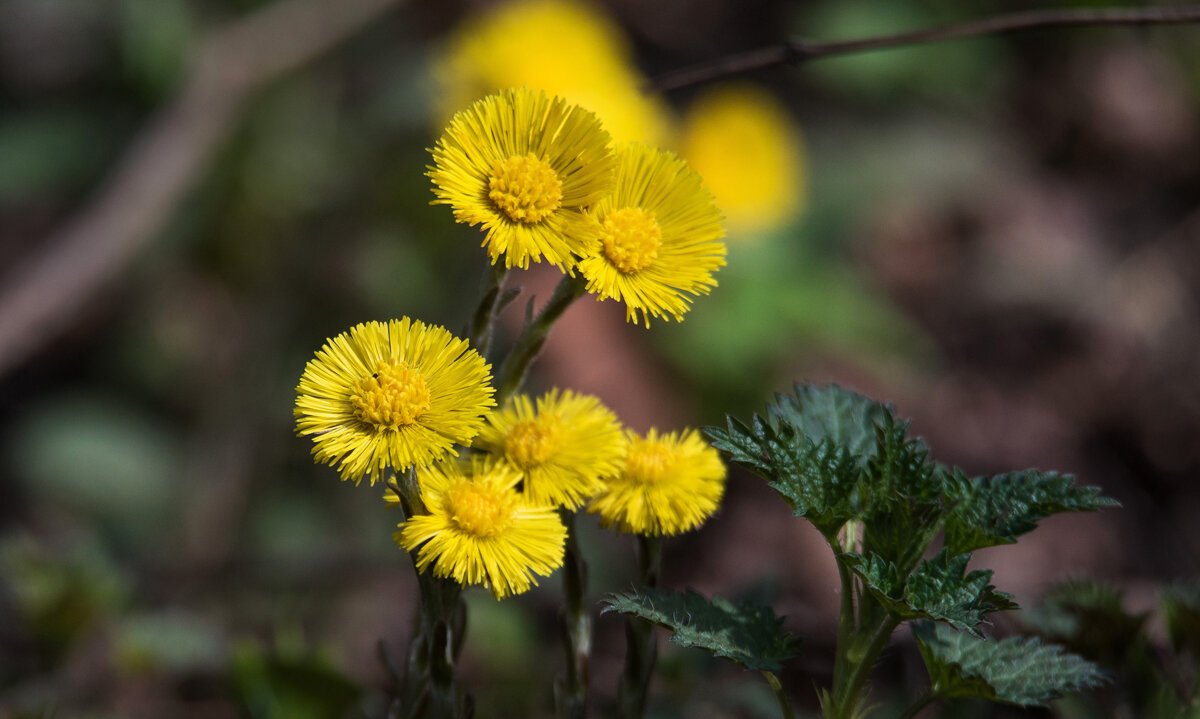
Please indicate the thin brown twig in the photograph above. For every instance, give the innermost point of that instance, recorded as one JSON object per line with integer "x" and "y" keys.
{"x": 796, "y": 51}
{"x": 40, "y": 296}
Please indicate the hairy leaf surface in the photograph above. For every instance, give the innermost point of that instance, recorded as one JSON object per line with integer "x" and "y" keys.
{"x": 747, "y": 633}
{"x": 940, "y": 589}
{"x": 1016, "y": 670}
{"x": 987, "y": 511}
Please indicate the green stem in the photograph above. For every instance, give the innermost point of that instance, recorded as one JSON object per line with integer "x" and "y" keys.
{"x": 861, "y": 665}
{"x": 572, "y": 694}
{"x": 922, "y": 701}
{"x": 845, "y": 632}
{"x": 640, "y": 639}
{"x": 784, "y": 706}
{"x": 483, "y": 322}
{"x": 525, "y": 350}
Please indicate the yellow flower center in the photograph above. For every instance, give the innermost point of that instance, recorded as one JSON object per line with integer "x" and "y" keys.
{"x": 631, "y": 239}
{"x": 480, "y": 510}
{"x": 525, "y": 188}
{"x": 530, "y": 443}
{"x": 392, "y": 397}
{"x": 649, "y": 462}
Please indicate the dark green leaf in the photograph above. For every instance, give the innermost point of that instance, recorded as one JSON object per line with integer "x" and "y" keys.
{"x": 1016, "y": 670}
{"x": 746, "y": 633}
{"x": 817, "y": 480}
{"x": 902, "y": 497}
{"x": 987, "y": 511}
{"x": 899, "y": 467}
{"x": 940, "y": 589}
{"x": 831, "y": 414}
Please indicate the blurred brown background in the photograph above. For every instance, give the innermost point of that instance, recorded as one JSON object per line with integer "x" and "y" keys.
{"x": 1001, "y": 236}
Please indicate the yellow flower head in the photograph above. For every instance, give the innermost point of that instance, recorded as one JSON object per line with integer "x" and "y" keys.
{"x": 742, "y": 140}
{"x": 561, "y": 449}
{"x": 524, "y": 166}
{"x": 398, "y": 395}
{"x": 479, "y": 529}
{"x": 669, "y": 484}
{"x": 661, "y": 237}
{"x": 570, "y": 49}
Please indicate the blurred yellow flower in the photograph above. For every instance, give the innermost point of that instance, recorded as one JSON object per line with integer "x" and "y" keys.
{"x": 751, "y": 154}
{"x": 397, "y": 395}
{"x": 480, "y": 531}
{"x": 524, "y": 166}
{"x": 562, "y": 446}
{"x": 567, "y": 48}
{"x": 669, "y": 484}
{"x": 661, "y": 237}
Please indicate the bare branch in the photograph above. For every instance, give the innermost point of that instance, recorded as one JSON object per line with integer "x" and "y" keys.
{"x": 39, "y": 297}
{"x": 796, "y": 52}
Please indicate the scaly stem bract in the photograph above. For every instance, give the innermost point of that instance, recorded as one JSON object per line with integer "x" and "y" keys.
{"x": 429, "y": 688}
{"x": 572, "y": 694}
{"x": 484, "y": 320}
{"x": 784, "y": 706}
{"x": 639, "y": 635}
{"x": 533, "y": 336}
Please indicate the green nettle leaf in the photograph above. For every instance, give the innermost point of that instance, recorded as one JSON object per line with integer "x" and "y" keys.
{"x": 987, "y": 511}
{"x": 815, "y": 447}
{"x": 817, "y": 480}
{"x": 940, "y": 589}
{"x": 902, "y": 496}
{"x": 1016, "y": 670}
{"x": 747, "y": 633}
{"x": 843, "y": 418}
{"x": 900, "y": 468}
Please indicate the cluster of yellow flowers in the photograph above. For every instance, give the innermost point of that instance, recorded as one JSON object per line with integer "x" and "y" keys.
{"x": 541, "y": 179}
{"x": 540, "y": 176}
{"x": 738, "y": 136}
{"x": 404, "y": 395}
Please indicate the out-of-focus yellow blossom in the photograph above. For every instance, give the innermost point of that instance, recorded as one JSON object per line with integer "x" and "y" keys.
{"x": 569, "y": 49}
{"x": 562, "y": 445}
{"x": 669, "y": 484}
{"x": 751, "y": 154}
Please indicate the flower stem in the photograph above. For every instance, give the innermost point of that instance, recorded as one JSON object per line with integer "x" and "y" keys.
{"x": 484, "y": 320}
{"x": 529, "y": 344}
{"x": 429, "y": 687}
{"x": 784, "y": 706}
{"x": 639, "y": 635}
{"x": 572, "y": 695}
{"x": 922, "y": 701}
{"x": 861, "y": 663}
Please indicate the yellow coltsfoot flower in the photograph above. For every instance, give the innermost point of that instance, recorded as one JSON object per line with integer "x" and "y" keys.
{"x": 398, "y": 394}
{"x": 561, "y": 446}
{"x": 524, "y": 166}
{"x": 661, "y": 237}
{"x": 668, "y": 484}
{"x": 480, "y": 530}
